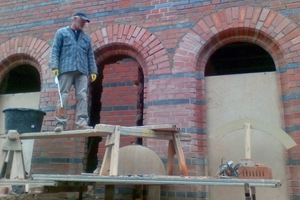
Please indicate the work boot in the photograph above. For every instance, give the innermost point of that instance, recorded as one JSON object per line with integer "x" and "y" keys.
{"x": 59, "y": 128}
{"x": 84, "y": 127}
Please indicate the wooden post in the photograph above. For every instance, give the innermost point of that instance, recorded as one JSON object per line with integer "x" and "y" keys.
{"x": 111, "y": 156}
{"x": 171, "y": 153}
{"x": 180, "y": 155}
{"x": 12, "y": 147}
{"x": 247, "y": 142}
{"x": 9, "y": 164}
{"x": 114, "y": 162}
{"x": 107, "y": 155}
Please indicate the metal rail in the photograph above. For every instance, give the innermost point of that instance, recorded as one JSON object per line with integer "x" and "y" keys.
{"x": 158, "y": 180}
{"x": 6, "y": 182}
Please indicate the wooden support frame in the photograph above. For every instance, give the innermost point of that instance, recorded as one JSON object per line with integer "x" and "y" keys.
{"x": 111, "y": 156}
{"x": 170, "y": 132}
{"x": 12, "y": 148}
{"x": 113, "y": 133}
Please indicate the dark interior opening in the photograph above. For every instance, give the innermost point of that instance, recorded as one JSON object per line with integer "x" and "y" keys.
{"x": 239, "y": 58}
{"x": 22, "y": 79}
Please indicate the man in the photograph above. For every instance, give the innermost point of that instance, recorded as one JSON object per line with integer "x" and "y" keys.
{"x": 72, "y": 60}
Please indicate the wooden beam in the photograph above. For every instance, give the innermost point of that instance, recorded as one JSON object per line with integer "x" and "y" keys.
{"x": 102, "y": 130}
{"x": 151, "y": 131}
{"x": 63, "y": 134}
{"x": 170, "y": 162}
{"x": 180, "y": 155}
{"x": 114, "y": 162}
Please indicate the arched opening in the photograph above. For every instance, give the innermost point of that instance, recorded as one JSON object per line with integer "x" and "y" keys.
{"x": 241, "y": 83}
{"x": 20, "y": 88}
{"x": 21, "y": 79}
{"x": 239, "y": 58}
{"x": 116, "y": 98}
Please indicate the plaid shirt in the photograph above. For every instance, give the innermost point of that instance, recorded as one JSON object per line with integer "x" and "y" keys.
{"x": 70, "y": 55}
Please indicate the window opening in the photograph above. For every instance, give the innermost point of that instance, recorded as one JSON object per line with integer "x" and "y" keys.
{"x": 239, "y": 58}
{"x": 21, "y": 79}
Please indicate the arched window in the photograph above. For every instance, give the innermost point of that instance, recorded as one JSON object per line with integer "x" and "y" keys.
{"x": 21, "y": 79}
{"x": 239, "y": 58}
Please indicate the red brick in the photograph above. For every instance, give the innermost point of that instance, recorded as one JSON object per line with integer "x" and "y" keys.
{"x": 203, "y": 26}
{"x": 264, "y": 14}
{"x": 256, "y": 15}
{"x": 282, "y": 25}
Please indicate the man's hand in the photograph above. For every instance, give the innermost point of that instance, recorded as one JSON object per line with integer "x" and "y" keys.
{"x": 55, "y": 72}
{"x": 93, "y": 77}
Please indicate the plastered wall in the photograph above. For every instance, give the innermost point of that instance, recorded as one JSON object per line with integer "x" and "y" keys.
{"x": 234, "y": 97}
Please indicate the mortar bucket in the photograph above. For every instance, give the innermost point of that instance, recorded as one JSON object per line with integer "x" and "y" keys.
{"x": 24, "y": 120}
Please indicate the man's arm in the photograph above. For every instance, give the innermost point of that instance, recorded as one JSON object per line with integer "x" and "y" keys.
{"x": 55, "y": 51}
{"x": 91, "y": 60}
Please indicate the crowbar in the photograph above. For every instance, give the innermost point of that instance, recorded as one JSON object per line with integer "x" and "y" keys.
{"x": 57, "y": 83}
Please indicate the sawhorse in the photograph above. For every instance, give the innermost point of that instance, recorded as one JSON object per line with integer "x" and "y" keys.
{"x": 167, "y": 132}
{"x": 12, "y": 147}
{"x": 111, "y": 157}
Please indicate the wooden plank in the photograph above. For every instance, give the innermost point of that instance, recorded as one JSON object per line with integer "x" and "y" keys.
{"x": 114, "y": 162}
{"x": 63, "y": 134}
{"x": 161, "y": 127}
{"x": 9, "y": 164}
{"x": 20, "y": 165}
{"x": 110, "y": 140}
{"x": 247, "y": 142}
{"x": 102, "y": 130}
{"x": 105, "y": 128}
{"x": 180, "y": 155}
{"x": 151, "y": 131}
{"x": 104, "y": 170}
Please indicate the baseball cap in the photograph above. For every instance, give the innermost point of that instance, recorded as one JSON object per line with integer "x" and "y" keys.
{"x": 82, "y": 16}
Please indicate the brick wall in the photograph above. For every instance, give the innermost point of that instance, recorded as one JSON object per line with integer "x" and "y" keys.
{"x": 119, "y": 98}
{"x": 171, "y": 41}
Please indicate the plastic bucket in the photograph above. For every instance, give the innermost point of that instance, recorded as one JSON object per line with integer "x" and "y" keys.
{"x": 24, "y": 120}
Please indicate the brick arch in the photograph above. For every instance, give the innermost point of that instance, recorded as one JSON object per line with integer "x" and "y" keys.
{"x": 132, "y": 41}
{"x": 24, "y": 50}
{"x": 266, "y": 28}
{"x": 16, "y": 60}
